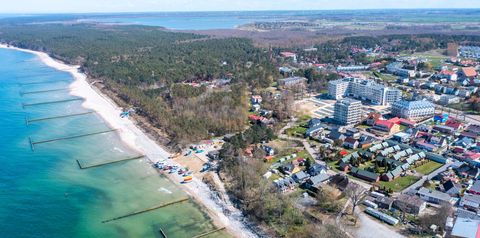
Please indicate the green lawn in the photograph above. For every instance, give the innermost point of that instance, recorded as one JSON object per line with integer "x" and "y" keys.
{"x": 385, "y": 77}
{"x": 298, "y": 131}
{"x": 333, "y": 165}
{"x": 399, "y": 183}
{"x": 429, "y": 167}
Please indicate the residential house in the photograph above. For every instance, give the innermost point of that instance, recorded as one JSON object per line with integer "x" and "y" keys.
{"x": 475, "y": 188}
{"x": 256, "y": 99}
{"x": 365, "y": 141}
{"x": 317, "y": 169}
{"x": 467, "y": 171}
{"x": 452, "y": 188}
{"x": 353, "y": 132}
{"x": 314, "y": 183}
{"x": 269, "y": 150}
{"x": 402, "y": 137}
{"x": 286, "y": 168}
{"x": 470, "y": 202}
{"x": 372, "y": 117}
{"x": 434, "y": 196}
{"x": 336, "y": 135}
{"x": 386, "y": 126}
{"x": 467, "y": 72}
{"x": 339, "y": 181}
{"x": 465, "y": 142}
{"x": 314, "y": 122}
{"x": 292, "y": 82}
{"x": 300, "y": 177}
{"x": 426, "y": 146}
{"x": 384, "y": 202}
{"x": 444, "y": 129}
{"x": 465, "y": 228}
{"x": 455, "y": 124}
{"x": 365, "y": 175}
{"x": 350, "y": 143}
{"x": 474, "y": 128}
{"x": 470, "y": 135}
{"x": 410, "y": 204}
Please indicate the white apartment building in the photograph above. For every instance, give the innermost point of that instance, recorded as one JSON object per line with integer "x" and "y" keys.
{"x": 413, "y": 110}
{"x": 367, "y": 90}
{"x": 338, "y": 89}
{"x": 348, "y": 111}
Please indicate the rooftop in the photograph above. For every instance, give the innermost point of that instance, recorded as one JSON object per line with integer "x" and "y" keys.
{"x": 467, "y": 228}
{"x": 413, "y": 104}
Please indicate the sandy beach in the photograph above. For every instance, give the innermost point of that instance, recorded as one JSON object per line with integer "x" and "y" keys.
{"x": 222, "y": 213}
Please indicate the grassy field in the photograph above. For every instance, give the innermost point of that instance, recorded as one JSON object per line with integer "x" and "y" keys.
{"x": 399, "y": 183}
{"x": 464, "y": 107}
{"x": 298, "y": 131}
{"x": 435, "y": 57}
{"x": 427, "y": 168}
{"x": 385, "y": 77}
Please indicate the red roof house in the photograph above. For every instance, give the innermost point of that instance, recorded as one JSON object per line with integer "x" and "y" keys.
{"x": 383, "y": 125}
{"x": 468, "y": 72}
{"x": 452, "y": 123}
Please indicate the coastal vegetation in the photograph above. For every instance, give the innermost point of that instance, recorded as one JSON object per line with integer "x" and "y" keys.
{"x": 260, "y": 200}
{"x": 158, "y": 71}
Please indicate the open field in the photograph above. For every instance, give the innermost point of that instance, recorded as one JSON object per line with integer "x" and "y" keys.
{"x": 428, "y": 168}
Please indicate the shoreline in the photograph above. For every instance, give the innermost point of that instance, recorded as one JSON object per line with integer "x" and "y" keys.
{"x": 134, "y": 137}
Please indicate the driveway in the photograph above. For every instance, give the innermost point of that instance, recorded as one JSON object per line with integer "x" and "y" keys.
{"x": 370, "y": 227}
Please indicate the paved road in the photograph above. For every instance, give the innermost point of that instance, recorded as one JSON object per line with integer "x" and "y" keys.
{"x": 474, "y": 119}
{"x": 428, "y": 177}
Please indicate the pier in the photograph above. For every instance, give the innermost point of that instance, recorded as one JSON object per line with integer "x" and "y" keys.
{"x": 108, "y": 162}
{"x": 147, "y": 210}
{"x": 51, "y": 102}
{"x": 33, "y": 143}
{"x": 44, "y": 91}
{"x": 209, "y": 232}
{"x": 27, "y": 121}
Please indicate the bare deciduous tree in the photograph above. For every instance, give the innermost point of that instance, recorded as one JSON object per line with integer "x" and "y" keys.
{"x": 356, "y": 194}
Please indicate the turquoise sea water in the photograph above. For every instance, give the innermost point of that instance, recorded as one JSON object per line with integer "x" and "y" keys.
{"x": 43, "y": 192}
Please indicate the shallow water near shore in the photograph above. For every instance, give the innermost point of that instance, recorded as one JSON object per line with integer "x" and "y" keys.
{"x": 44, "y": 193}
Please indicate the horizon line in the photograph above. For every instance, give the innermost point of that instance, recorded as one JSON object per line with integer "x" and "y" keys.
{"x": 259, "y": 10}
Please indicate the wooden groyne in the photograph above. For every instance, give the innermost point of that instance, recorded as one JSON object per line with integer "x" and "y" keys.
{"x": 44, "y": 91}
{"x": 109, "y": 162}
{"x": 27, "y": 121}
{"x": 43, "y": 82}
{"x": 35, "y": 75}
{"x": 209, "y": 232}
{"x": 163, "y": 233}
{"x": 51, "y": 102}
{"x": 147, "y": 210}
{"x": 33, "y": 143}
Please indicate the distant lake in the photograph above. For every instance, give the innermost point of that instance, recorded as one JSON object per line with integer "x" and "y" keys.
{"x": 179, "y": 23}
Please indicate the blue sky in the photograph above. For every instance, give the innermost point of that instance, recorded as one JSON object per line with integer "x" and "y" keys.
{"x": 59, "y": 6}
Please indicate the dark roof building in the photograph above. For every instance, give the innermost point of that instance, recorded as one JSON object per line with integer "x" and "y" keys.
{"x": 410, "y": 204}
{"x": 365, "y": 175}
